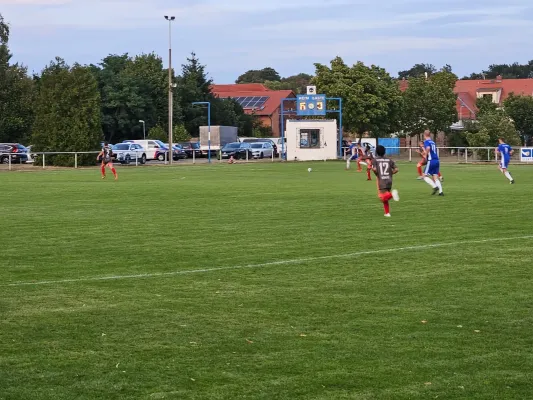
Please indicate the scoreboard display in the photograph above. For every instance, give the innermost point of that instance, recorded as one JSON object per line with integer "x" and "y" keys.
{"x": 308, "y": 105}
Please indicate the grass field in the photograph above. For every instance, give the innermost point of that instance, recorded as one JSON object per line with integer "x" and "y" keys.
{"x": 267, "y": 282}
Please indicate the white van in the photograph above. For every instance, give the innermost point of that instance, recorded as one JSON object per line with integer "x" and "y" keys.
{"x": 278, "y": 141}
{"x": 155, "y": 149}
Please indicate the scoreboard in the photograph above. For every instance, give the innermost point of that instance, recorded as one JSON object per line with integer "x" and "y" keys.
{"x": 310, "y": 104}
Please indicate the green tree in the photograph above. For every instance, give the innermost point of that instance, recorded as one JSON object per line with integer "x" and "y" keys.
{"x": 491, "y": 126}
{"x": 152, "y": 81}
{"x": 16, "y": 94}
{"x": 506, "y": 71}
{"x": 430, "y": 103}
{"x": 371, "y": 98}
{"x": 520, "y": 109}
{"x": 180, "y": 134}
{"x": 297, "y": 83}
{"x": 4, "y": 31}
{"x": 194, "y": 85}
{"x": 67, "y": 114}
{"x": 158, "y": 133}
{"x": 259, "y": 76}
{"x": 417, "y": 71}
{"x": 122, "y": 102}
{"x": 485, "y": 105}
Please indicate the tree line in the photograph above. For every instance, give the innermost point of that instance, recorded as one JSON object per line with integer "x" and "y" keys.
{"x": 75, "y": 107}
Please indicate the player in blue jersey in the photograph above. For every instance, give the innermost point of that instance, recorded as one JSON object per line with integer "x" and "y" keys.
{"x": 433, "y": 164}
{"x": 352, "y": 154}
{"x": 505, "y": 151}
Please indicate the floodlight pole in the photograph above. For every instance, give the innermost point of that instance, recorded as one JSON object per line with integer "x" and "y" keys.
{"x": 144, "y": 128}
{"x": 170, "y": 86}
{"x": 208, "y": 126}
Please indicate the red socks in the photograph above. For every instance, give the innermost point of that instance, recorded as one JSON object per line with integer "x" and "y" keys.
{"x": 114, "y": 171}
{"x": 368, "y": 174}
{"x": 419, "y": 169}
{"x": 359, "y": 166}
{"x": 385, "y": 197}
{"x": 440, "y": 175}
{"x": 103, "y": 170}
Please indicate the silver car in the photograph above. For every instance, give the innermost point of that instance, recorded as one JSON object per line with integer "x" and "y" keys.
{"x": 128, "y": 152}
{"x": 262, "y": 149}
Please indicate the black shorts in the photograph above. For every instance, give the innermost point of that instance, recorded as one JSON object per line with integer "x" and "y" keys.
{"x": 385, "y": 186}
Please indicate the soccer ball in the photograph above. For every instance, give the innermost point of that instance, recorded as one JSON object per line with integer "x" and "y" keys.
{"x": 309, "y": 169}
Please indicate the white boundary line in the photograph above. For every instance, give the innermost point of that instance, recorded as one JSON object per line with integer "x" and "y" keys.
{"x": 263, "y": 265}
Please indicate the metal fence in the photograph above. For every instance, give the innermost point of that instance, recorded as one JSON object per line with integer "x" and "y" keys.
{"x": 462, "y": 155}
{"x": 10, "y": 161}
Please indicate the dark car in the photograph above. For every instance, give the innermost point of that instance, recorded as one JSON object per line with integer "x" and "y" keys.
{"x": 193, "y": 147}
{"x": 17, "y": 152}
{"x": 255, "y": 140}
{"x": 238, "y": 150}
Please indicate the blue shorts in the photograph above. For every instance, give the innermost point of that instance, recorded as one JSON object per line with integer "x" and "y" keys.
{"x": 432, "y": 167}
{"x": 504, "y": 162}
{"x": 353, "y": 158}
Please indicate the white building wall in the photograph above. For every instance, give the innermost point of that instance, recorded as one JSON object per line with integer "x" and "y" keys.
{"x": 309, "y": 140}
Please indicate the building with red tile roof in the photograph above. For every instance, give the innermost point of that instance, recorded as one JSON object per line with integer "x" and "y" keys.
{"x": 468, "y": 91}
{"x": 258, "y": 100}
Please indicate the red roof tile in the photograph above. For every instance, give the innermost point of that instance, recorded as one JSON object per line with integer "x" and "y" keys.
{"x": 240, "y": 87}
{"x": 254, "y": 89}
{"x": 467, "y": 90}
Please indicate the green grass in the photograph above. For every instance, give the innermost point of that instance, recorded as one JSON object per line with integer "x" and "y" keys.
{"x": 329, "y": 326}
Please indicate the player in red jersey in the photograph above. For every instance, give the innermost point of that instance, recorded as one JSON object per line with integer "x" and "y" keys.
{"x": 360, "y": 155}
{"x": 385, "y": 168}
{"x": 423, "y": 162}
{"x": 106, "y": 157}
{"x": 367, "y": 157}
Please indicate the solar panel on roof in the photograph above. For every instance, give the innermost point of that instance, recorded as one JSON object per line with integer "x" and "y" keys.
{"x": 252, "y": 101}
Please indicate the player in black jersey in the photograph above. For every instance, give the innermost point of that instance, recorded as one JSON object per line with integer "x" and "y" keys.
{"x": 385, "y": 168}
{"x": 106, "y": 157}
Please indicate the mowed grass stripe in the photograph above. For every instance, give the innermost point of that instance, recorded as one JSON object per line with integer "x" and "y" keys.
{"x": 271, "y": 263}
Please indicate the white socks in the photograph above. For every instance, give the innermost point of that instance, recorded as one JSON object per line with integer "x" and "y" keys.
{"x": 508, "y": 175}
{"x": 439, "y": 185}
{"x": 348, "y": 163}
{"x": 430, "y": 182}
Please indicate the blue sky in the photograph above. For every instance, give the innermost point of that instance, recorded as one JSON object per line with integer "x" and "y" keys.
{"x": 232, "y": 36}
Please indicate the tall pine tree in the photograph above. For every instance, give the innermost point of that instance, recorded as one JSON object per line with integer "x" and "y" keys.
{"x": 16, "y": 94}
{"x": 67, "y": 115}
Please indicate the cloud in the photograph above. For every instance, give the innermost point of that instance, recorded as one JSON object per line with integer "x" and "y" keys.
{"x": 34, "y": 2}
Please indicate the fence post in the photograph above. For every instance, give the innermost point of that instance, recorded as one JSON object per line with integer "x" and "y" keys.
{"x": 466, "y": 155}
{"x": 75, "y": 160}
{"x": 272, "y": 155}
{"x": 9, "y": 168}
{"x": 246, "y": 155}
{"x": 410, "y": 154}
{"x": 44, "y": 155}
{"x": 193, "y": 155}
{"x": 136, "y": 158}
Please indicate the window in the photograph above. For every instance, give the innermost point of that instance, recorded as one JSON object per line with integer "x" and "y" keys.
{"x": 309, "y": 138}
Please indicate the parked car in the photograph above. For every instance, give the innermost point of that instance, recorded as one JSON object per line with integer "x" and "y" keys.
{"x": 280, "y": 143}
{"x": 262, "y": 150}
{"x": 17, "y": 152}
{"x": 125, "y": 153}
{"x": 193, "y": 147}
{"x": 178, "y": 153}
{"x": 155, "y": 149}
{"x": 236, "y": 149}
{"x": 256, "y": 140}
